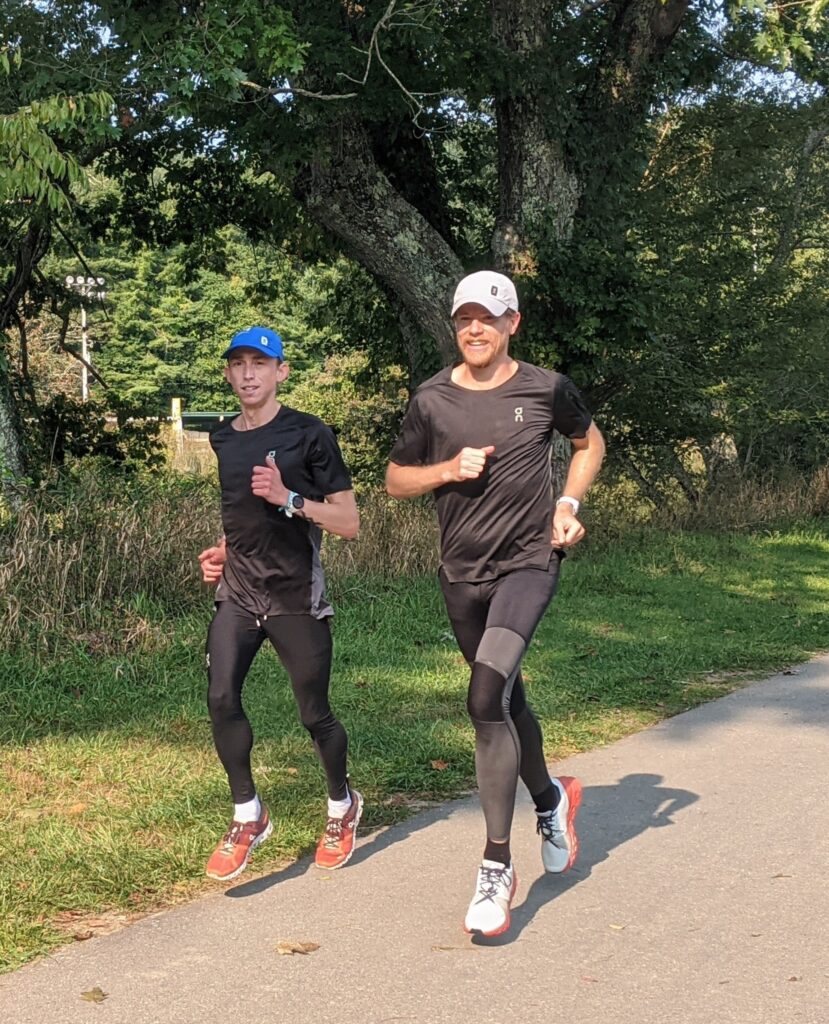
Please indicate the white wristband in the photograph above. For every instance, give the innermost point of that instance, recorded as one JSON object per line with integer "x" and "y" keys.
{"x": 574, "y": 503}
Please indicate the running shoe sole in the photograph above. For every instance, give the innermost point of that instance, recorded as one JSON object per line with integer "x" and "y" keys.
{"x": 357, "y": 817}
{"x": 573, "y": 789}
{"x": 505, "y": 926}
{"x": 235, "y": 874}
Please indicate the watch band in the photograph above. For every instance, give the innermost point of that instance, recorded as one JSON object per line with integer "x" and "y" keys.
{"x": 289, "y": 508}
{"x": 574, "y": 503}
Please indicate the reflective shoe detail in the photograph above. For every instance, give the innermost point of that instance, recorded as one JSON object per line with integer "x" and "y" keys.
{"x": 231, "y": 856}
{"x": 337, "y": 842}
{"x": 489, "y": 911}
{"x": 559, "y": 842}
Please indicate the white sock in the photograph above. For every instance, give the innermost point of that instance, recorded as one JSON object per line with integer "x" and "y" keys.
{"x": 338, "y": 808}
{"x": 249, "y": 811}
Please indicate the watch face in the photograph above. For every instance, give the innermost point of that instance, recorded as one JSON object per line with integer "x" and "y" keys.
{"x": 297, "y": 501}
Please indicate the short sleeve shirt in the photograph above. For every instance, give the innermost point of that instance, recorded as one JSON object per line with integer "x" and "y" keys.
{"x": 273, "y": 562}
{"x": 501, "y": 521}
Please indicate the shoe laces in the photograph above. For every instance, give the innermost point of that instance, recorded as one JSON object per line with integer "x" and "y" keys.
{"x": 547, "y": 828}
{"x": 232, "y": 836}
{"x": 489, "y": 881}
{"x": 333, "y": 834}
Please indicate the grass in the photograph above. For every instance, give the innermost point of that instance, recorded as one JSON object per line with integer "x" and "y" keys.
{"x": 112, "y": 796}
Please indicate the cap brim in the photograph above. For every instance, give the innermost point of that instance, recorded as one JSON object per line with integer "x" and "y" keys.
{"x": 251, "y": 348}
{"x": 495, "y": 306}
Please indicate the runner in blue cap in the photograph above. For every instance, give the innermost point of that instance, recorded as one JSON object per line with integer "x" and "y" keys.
{"x": 283, "y": 482}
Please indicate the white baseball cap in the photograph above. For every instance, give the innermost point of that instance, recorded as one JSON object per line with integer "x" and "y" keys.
{"x": 494, "y": 292}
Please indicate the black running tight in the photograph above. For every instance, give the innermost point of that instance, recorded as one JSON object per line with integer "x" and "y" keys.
{"x": 303, "y": 645}
{"x": 493, "y": 623}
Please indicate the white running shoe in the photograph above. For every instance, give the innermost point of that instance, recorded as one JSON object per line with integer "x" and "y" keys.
{"x": 488, "y": 912}
{"x": 559, "y": 842}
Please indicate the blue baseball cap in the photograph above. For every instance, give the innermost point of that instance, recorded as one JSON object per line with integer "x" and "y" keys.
{"x": 262, "y": 339}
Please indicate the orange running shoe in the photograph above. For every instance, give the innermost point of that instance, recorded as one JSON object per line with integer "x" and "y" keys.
{"x": 337, "y": 843}
{"x": 231, "y": 856}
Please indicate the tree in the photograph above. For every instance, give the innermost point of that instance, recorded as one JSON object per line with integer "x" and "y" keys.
{"x": 360, "y": 121}
{"x": 37, "y": 175}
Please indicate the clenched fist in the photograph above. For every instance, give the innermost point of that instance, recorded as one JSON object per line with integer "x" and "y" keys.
{"x": 469, "y": 463}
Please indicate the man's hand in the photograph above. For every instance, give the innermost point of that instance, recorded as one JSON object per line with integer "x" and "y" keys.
{"x": 567, "y": 530}
{"x": 212, "y": 562}
{"x": 468, "y": 464}
{"x": 267, "y": 483}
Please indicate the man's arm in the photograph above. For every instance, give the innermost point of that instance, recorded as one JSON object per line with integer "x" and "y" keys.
{"x": 412, "y": 481}
{"x": 337, "y": 514}
{"x": 584, "y": 467}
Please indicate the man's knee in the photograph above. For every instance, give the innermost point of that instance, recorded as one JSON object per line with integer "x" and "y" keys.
{"x": 501, "y": 649}
{"x": 485, "y": 700}
{"x": 222, "y": 702}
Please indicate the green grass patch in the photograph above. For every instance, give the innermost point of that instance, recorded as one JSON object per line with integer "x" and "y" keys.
{"x": 113, "y": 798}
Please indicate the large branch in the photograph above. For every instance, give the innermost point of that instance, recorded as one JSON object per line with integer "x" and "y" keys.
{"x": 626, "y": 74}
{"x": 347, "y": 194}
{"x": 788, "y": 239}
{"x": 535, "y": 181}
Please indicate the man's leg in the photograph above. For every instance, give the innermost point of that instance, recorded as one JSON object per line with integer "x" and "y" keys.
{"x": 233, "y": 639}
{"x": 468, "y": 609}
{"x": 518, "y": 605}
{"x": 303, "y": 644}
{"x": 493, "y": 623}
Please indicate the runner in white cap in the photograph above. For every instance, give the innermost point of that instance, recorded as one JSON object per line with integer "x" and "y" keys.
{"x": 479, "y": 435}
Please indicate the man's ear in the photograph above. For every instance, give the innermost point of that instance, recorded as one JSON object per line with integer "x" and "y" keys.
{"x": 282, "y": 372}
{"x": 516, "y": 320}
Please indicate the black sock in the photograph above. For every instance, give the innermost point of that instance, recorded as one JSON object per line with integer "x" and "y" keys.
{"x": 547, "y": 800}
{"x": 497, "y": 851}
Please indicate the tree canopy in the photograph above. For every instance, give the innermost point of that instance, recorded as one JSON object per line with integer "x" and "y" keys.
{"x": 651, "y": 171}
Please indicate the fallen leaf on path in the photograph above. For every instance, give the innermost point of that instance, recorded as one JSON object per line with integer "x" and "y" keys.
{"x": 618, "y": 927}
{"x": 795, "y": 977}
{"x": 287, "y": 947}
{"x": 94, "y": 995}
{"x": 586, "y": 977}
{"x": 782, "y": 874}
{"x": 790, "y": 672}
{"x": 82, "y": 936}
{"x": 439, "y": 765}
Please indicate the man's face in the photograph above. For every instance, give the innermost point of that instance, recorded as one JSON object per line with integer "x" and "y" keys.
{"x": 253, "y": 376}
{"x": 482, "y": 337}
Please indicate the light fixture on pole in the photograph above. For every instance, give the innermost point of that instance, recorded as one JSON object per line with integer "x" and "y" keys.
{"x": 87, "y": 288}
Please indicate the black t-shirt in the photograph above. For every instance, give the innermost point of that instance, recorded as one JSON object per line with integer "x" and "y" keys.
{"x": 502, "y": 520}
{"x": 273, "y": 564}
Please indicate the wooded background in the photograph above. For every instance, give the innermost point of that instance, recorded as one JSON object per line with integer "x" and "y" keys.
{"x": 653, "y": 174}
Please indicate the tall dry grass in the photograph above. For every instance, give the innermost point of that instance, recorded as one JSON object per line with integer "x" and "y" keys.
{"x": 104, "y": 563}
{"x": 99, "y": 559}
{"x": 736, "y": 502}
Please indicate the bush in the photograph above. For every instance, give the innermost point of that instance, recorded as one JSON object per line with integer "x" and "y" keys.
{"x": 364, "y": 404}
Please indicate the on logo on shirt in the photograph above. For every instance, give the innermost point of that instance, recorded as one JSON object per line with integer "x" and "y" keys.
{"x": 519, "y": 414}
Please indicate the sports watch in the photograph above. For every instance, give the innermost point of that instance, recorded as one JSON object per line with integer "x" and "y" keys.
{"x": 293, "y": 503}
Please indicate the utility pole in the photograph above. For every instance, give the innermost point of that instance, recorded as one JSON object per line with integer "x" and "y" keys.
{"x": 86, "y": 287}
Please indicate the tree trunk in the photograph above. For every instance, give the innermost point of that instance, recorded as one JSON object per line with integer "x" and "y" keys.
{"x": 11, "y": 460}
{"x": 348, "y": 195}
{"x": 535, "y": 183}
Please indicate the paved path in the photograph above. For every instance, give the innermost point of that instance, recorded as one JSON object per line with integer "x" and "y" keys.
{"x": 701, "y": 896}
